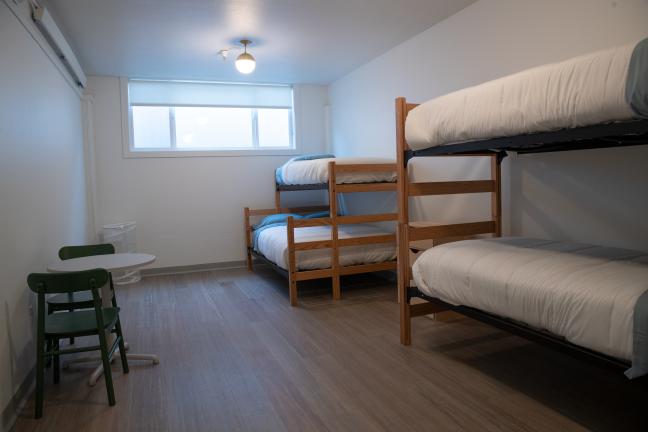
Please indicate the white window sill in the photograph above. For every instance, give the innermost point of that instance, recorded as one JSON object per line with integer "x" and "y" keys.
{"x": 207, "y": 153}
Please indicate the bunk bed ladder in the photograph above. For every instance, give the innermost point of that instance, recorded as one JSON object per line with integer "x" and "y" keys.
{"x": 408, "y": 233}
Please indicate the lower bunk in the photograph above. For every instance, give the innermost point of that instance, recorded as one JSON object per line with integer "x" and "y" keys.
{"x": 303, "y": 245}
{"x": 588, "y": 300}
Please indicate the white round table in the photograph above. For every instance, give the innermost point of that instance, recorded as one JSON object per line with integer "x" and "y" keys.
{"x": 110, "y": 262}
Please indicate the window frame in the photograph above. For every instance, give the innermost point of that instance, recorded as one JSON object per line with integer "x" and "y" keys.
{"x": 128, "y": 150}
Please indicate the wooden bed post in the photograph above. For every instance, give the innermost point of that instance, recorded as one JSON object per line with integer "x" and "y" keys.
{"x": 277, "y": 198}
{"x": 292, "y": 262}
{"x": 403, "y": 223}
{"x": 496, "y": 196}
{"x": 335, "y": 251}
{"x": 248, "y": 237}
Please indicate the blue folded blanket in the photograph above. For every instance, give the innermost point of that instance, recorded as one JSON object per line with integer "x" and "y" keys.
{"x": 278, "y": 175}
{"x": 639, "y": 339}
{"x": 273, "y": 220}
{"x": 258, "y": 231}
{"x": 312, "y": 157}
{"x": 637, "y": 83}
{"x": 279, "y": 219}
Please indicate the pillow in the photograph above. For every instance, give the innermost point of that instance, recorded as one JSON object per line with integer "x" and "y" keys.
{"x": 321, "y": 214}
{"x": 275, "y": 219}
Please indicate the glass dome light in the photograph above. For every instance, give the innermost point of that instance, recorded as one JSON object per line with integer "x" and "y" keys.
{"x": 245, "y": 63}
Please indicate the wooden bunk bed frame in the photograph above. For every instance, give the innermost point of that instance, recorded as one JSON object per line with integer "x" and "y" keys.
{"x": 334, "y": 220}
{"x": 599, "y": 136}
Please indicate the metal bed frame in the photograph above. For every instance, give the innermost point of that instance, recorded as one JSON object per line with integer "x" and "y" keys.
{"x": 630, "y": 133}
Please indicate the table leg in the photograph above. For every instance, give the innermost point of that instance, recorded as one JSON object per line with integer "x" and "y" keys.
{"x": 106, "y": 299}
{"x": 98, "y": 372}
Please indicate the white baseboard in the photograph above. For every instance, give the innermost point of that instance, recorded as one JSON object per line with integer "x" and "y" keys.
{"x": 9, "y": 414}
{"x": 228, "y": 265}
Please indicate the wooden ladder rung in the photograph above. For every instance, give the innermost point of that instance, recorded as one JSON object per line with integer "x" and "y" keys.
{"x": 365, "y": 187}
{"x": 453, "y": 187}
{"x": 375, "y": 239}
{"x": 453, "y": 230}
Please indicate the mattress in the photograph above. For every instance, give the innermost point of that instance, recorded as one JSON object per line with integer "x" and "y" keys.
{"x": 273, "y": 244}
{"x": 315, "y": 171}
{"x": 586, "y": 294}
{"x": 607, "y": 86}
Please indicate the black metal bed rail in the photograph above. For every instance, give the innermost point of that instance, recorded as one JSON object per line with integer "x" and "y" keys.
{"x": 301, "y": 187}
{"x": 542, "y": 337}
{"x": 606, "y": 135}
{"x": 283, "y": 272}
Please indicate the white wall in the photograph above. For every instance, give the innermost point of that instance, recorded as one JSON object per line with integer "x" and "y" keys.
{"x": 188, "y": 211}
{"x": 594, "y": 196}
{"x": 42, "y": 186}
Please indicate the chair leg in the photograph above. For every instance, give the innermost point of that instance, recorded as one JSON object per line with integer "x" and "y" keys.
{"x": 57, "y": 363}
{"x": 71, "y": 339}
{"x": 122, "y": 347}
{"x": 40, "y": 377}
{"x": 48, "y": 347}
{"x": 48, "y": 360}
{"x": 106, "y": 367}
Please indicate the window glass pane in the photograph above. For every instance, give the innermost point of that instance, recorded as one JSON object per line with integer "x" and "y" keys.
{"x": 213, "y": 128}
{"x": 274, "y": 127}
{"x": 151, "y": 127}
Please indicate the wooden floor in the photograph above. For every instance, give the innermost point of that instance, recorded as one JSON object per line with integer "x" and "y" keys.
{"x": 235, "y": 356}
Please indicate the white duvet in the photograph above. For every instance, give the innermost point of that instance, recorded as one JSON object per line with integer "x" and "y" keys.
{"x": 273, "y": 244}
{"x": 583, "y": 91}
{"x": 315, "y": 171}
{"x": 583, "y": 293}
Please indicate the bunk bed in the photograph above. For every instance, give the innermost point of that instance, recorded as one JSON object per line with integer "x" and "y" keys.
{"x": 586, "y": 300}
{"x": 306, "y": 245}
{"x": 311, "y": 172}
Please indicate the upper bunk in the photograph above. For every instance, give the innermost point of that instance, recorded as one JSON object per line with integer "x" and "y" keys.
{"x": 592, "y": 101}
{"x": 314, "y": 172}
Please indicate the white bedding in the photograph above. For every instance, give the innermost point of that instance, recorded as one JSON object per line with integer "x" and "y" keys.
{"x": 302, "y": 172}
{"x": 273, "y": 244}
{"x": 583, "y": 91}
{"x": 584, "y": 293}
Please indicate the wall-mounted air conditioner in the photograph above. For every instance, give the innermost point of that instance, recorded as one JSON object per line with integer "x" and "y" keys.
{"x": 55, "y": 38}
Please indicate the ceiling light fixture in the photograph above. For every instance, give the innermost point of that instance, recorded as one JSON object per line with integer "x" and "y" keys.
{"x": 245, "y": 63}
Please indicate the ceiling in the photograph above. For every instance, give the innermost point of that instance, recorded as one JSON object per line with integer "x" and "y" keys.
{"x": 294, "y": 41}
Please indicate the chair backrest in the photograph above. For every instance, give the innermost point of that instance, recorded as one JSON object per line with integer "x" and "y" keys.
{"x": 55, "y": 283}
{"x": 69, "y": 252}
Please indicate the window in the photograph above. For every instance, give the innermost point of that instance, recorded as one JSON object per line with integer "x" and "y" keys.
{"x": 199, "y": 118}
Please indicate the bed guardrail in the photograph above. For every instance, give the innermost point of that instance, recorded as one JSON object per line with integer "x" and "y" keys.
{"x": 334, "y": 243}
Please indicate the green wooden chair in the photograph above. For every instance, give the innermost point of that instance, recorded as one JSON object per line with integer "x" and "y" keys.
{"x": 78, "y": 300}
{"x": 53, "y": 327}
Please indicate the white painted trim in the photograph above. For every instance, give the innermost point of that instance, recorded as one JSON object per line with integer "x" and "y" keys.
{"x": 225, "y": 265}
{"x": 134, "y": 154}
{"x": 10, "y": 413}
{"x": 327, "y": 128}
{"x": 87, "y": 113}
{"x": 127, "y": 135}
{"x": 298, "y": 108}
{"x": 125, "y": 116}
